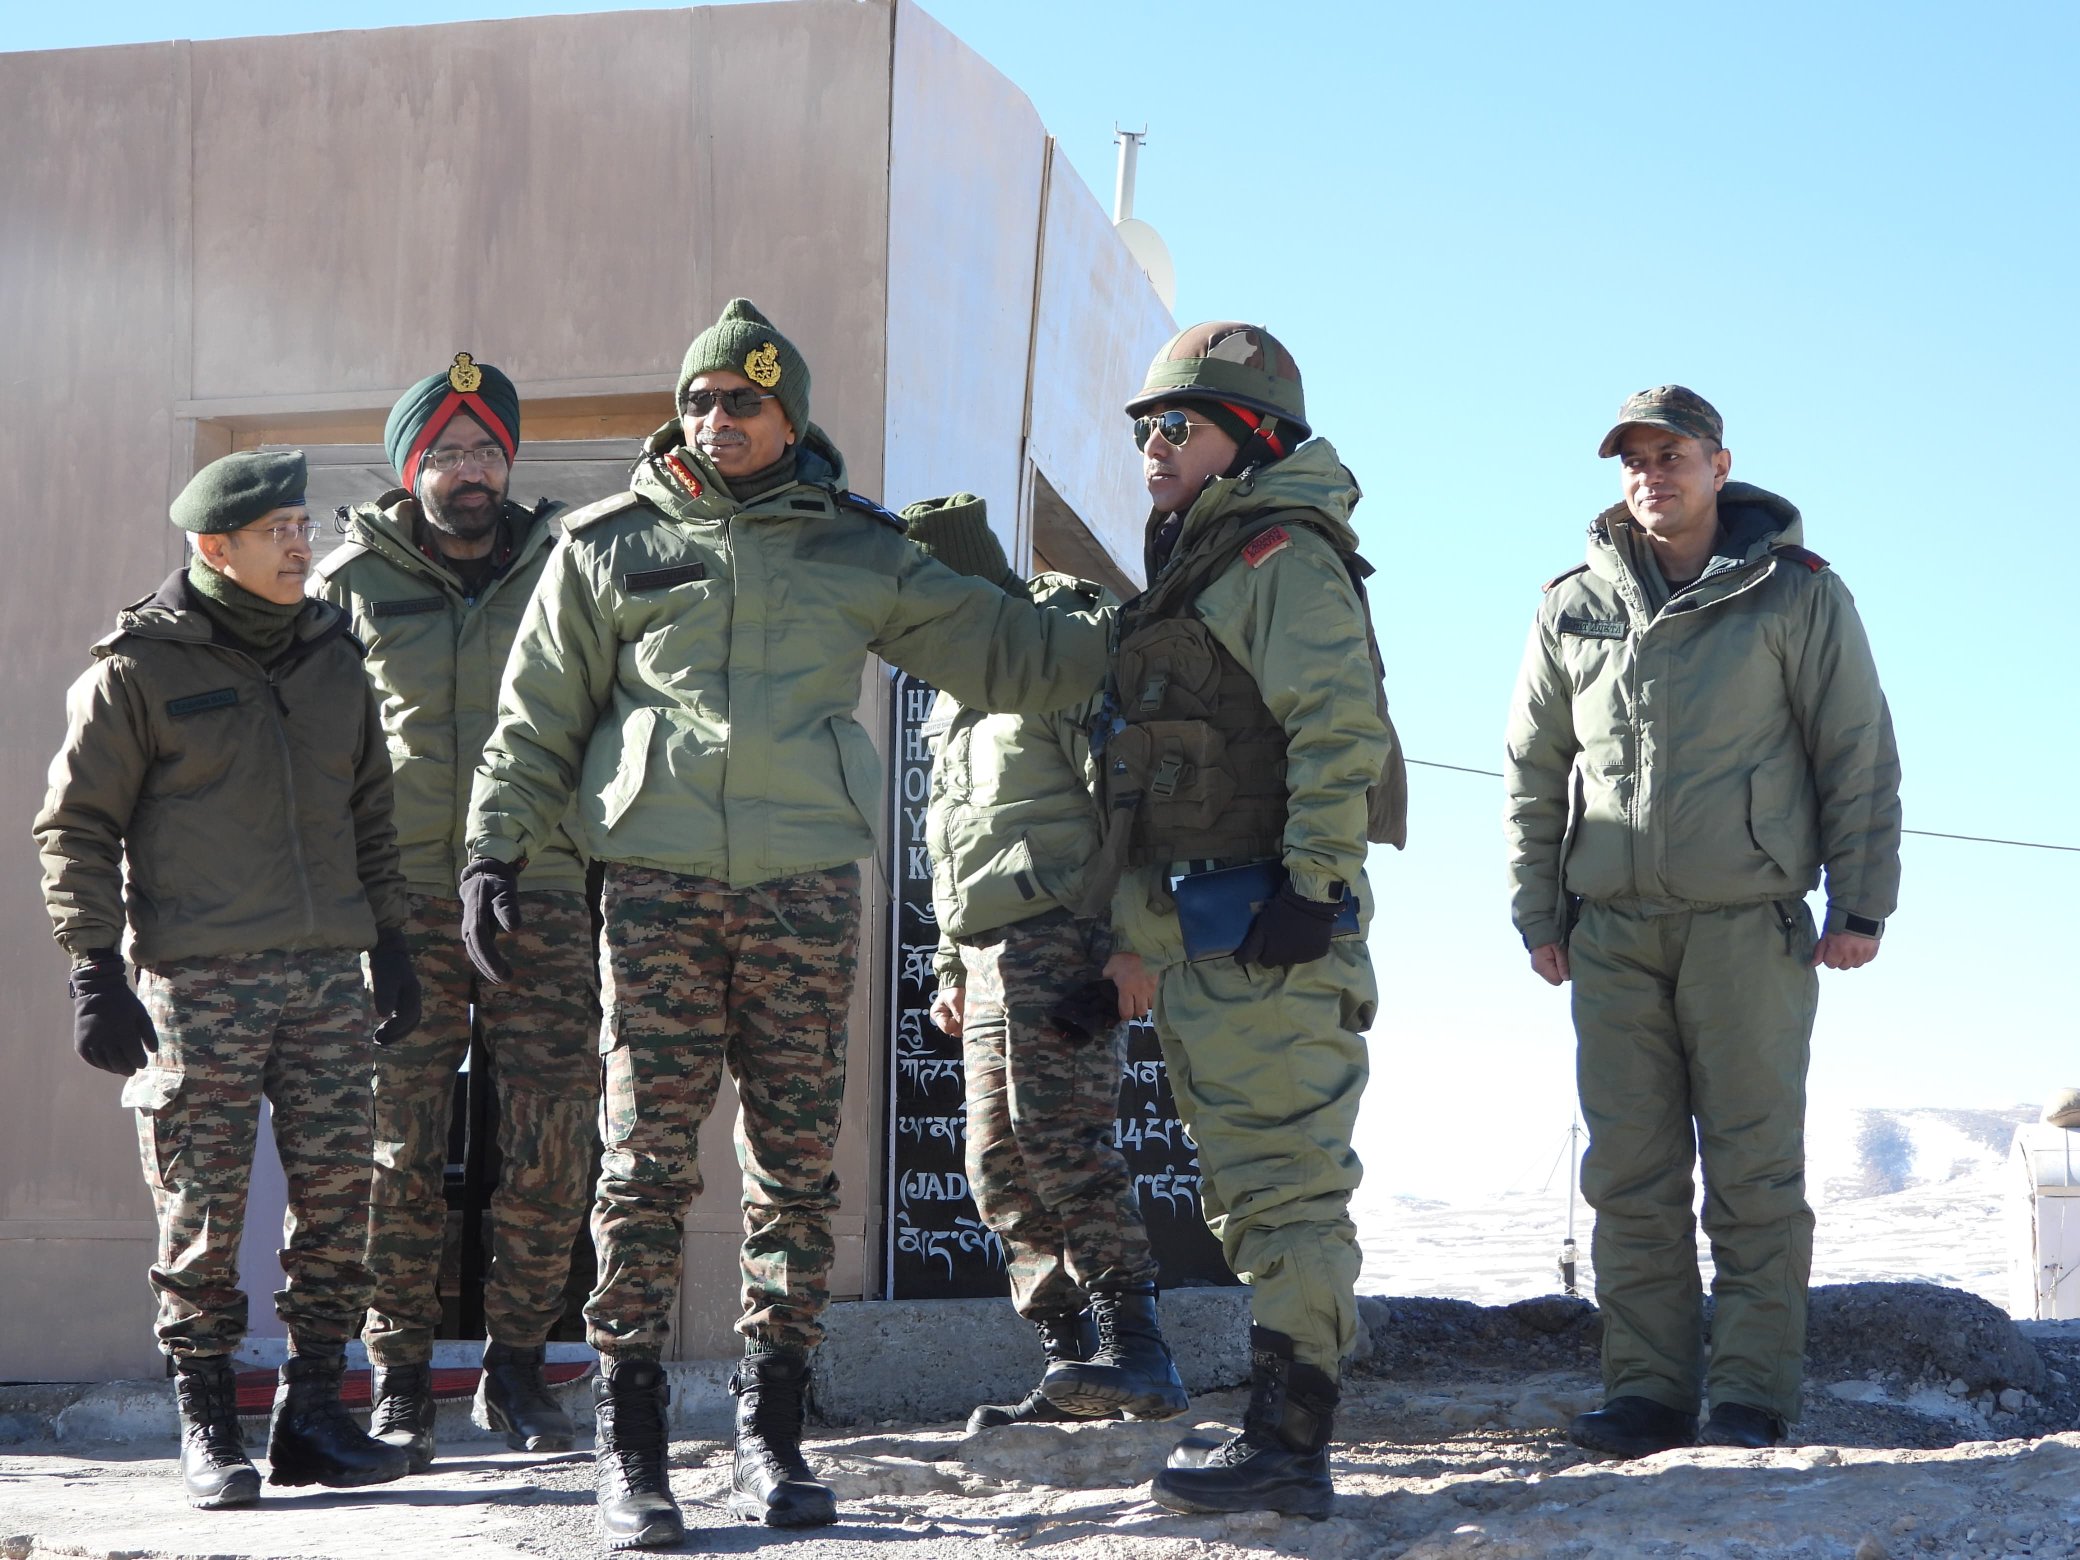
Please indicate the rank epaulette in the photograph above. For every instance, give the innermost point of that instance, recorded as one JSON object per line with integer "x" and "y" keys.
{"x": 868, "y": 507}
{"x": 1811, "y": 560}
{"x": 578, "y": 519}
{"x": 1566, "y": 574}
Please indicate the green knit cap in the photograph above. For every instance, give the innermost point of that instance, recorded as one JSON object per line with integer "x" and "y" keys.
{"x": 238, "y": 489}
{"x": 743, "y": 341}
{"x": 955, "y": 530}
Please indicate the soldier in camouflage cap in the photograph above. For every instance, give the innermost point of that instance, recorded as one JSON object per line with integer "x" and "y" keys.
{"x": 222, "y": 806}
{"x": 1698, "y": 729}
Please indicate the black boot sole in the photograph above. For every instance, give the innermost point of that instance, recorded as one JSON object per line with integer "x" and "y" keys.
{"x": 1287, "y": 1499}
{"x": 241, "y": 1489}
{"x": 419, "y": 1450}
{"x": 805, "y": 1506}
{"x": 1094, "y": 1397}
{"x": 658, "y": 1533}
{"x": 353, "y": 1479}
{"x": 1612, "y": 1444}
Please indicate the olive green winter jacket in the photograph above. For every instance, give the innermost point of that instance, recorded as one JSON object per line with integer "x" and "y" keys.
{"x": 1722, "y": 750}
{"x": 437, "y": 658}
{"x": 1295, "y": 622}
{"x": 250, "y": 804}
{"x": 1012, "y": 824}
{"x": 689, "y": 669}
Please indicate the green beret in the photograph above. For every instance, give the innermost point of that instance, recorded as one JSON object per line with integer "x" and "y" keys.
{"x": 239, "y": 489}
{"x": 955, "y": 530}
{"x": 420, "y": 414}
{"x": 743, "y": 341}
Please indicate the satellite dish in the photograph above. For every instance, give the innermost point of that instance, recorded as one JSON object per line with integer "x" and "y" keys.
{"x": 1146, "y": 245}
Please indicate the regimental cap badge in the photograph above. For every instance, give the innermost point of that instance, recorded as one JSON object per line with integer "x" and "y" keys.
{"x": 762, "y": 366}
{"x": 464, "y": 376}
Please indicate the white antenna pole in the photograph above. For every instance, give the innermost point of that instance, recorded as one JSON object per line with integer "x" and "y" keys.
{"x": 1130, "y": 143}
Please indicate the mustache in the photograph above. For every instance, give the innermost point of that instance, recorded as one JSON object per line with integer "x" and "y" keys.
{"x": 718, "y": 437}
{"x": 470, "y": 487}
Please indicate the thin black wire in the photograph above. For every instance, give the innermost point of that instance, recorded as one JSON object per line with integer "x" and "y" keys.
{"x": 1931, "y": 834}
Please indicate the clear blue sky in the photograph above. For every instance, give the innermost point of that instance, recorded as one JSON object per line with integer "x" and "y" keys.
{"x": 1479, "y": 226}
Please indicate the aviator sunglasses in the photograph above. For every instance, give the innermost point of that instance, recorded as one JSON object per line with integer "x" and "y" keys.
{"x": 1172, "y": 425}
{"x": 738, "y": 403}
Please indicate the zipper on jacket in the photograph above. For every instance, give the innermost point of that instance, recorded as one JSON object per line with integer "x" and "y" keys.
{"x": 281, "y": 734}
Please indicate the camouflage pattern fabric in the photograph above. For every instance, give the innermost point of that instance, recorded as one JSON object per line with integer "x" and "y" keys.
{"x": 540, "y": 1030}
{"x": 292, "y": 1026}
{"x": 1042, "y": 1108}
{"x": 698, "y": 976}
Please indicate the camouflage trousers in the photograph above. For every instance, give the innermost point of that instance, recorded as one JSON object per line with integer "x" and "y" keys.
{"x": 293, "y": 1027}
{"x": 699, "y": 976}
{"x": 537, "y": 1030}
{"x": 1043, "y": 1111}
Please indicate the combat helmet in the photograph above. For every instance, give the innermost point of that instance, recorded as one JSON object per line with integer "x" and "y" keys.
{"x": 1228, "y": 360}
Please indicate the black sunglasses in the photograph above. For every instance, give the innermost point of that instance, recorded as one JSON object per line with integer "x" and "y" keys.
{"x": 1172, "y": 425}
{"x": 738, "y": 403}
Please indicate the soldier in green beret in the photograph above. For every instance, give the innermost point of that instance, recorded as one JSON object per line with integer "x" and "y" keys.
{"x": 687, "y": 673}
{"x": 222, "y": 805}
{"x": 435, "y": 574}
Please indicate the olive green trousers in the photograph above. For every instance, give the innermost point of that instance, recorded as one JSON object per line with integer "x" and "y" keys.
{"x": 1268, "y": 1066}
{"x": 1693, "y": 1033}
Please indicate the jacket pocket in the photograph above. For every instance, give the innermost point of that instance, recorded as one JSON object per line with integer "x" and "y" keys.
{"x": 156, "y": 1094}
{"x": 1577, "y": 803}
{"x": 633, "y": 765}
{"x": 1782, "y": 817}
{"x": 859, "y": 767}
{"x": 1005, "y": 888}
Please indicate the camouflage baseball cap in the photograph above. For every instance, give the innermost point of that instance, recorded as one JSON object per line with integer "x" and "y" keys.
{"x": 1226, "y": 360}
{"x": 1666, "y": 406}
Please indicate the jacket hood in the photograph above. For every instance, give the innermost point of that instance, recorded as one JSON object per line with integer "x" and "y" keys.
{"x": 172, "y": 612}
{"x": 389, "y": 524}
{"x": 818, "y": 463}
{"x": 1752, "y": 520}
{"x": 1312, "y": 480}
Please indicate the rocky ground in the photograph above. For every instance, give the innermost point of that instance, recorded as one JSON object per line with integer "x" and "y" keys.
{"x": 1933, "y": 1428}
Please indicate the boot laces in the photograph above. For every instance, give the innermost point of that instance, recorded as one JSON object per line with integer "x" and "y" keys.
{"x": 397, "y": 1411}
{"x": 773, "y": 1427}
{"x": 212, "y": 1406}
{"x": 635, "y": 1429}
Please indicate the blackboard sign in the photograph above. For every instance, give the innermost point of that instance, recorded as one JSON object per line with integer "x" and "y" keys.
{"x": 937, "y": 1247}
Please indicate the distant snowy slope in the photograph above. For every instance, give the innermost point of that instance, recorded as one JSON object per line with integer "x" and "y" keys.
{"x": 1872, "y": 1153}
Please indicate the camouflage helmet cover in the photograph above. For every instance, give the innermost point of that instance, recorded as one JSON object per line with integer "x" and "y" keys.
{"x": 1227, "y": 360}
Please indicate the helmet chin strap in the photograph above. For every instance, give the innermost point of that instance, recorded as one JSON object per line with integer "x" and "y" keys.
{"x": 1263, "y": 445}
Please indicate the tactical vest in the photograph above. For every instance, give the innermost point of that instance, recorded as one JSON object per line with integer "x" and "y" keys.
{"x": 1194, "y": 766}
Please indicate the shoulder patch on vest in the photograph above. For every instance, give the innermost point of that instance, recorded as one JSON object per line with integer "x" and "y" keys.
{"x": 1580, "y": 568}
{"x": 867, "y": 506}
{"x": 578, "y": 519}
{"x": 1264, "y": 545}
{"x": 1811, "y": 560}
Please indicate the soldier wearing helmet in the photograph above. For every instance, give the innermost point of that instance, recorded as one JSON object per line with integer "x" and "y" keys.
{"x": 1246, "y": 762}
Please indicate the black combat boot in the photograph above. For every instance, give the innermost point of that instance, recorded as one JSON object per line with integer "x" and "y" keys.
{"x": 636, "y": 1509}
{"x": 1632, "y": 1427}
{"x": 215, "y": 1470}
{"x": 401, "y": 1411}
{"x": 1063, "y": 1337}
{"x": 1280, "y": 1459}
{"x": 1742, "y": 1424}
{"x": 1131, "y": 1373}
{"x": 770, "y": 1482}
{"x": 513, "y": 1397}
{"x": 314, "y": 1440}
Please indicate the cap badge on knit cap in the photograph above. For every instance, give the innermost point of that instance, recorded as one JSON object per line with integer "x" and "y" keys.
{"x": 465, "y": 376}
{"x": 762, "y": 366}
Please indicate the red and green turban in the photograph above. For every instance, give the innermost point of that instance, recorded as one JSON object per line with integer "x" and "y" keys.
{"x": 430, "y": 405}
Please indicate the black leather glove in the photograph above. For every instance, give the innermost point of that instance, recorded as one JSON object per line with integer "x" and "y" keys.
{"x": 1089, "y": 1012}
{"x": 396, "y": 986}
{"x": 490, "y": 903}
{"x": 110, "y": 1028}
{"x": 1288, "y": 930}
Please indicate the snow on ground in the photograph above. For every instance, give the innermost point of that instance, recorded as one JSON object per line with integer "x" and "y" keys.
{"x": 1899, "y": 1194}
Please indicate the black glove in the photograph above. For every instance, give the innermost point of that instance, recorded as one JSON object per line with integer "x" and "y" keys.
{"x": 1088, "y": 1012}
{"x": 490, "y": 902}
{"x": 110, "y": 1028}
{"x": 1288, "y": 930}
{"x": 396, "y": 986}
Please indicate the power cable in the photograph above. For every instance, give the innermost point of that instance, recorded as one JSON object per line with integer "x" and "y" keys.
{"x": 1930, "y": 834}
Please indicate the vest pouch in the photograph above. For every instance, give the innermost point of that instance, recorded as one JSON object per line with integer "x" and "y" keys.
{"x": 1168, "y": 668}
{"x": 1180, "y": 767}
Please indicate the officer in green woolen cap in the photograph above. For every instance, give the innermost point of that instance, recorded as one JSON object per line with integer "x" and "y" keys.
{"x": 220, "y": 812}
{"x": 1698, "y": 729}
{"x": 435, "y": 574}
{"x": 1248, "y": 762}
{"x": 687, "y": 674}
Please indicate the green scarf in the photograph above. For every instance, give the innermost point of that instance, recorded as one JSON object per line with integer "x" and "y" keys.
{"x": 256, "y": 624}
